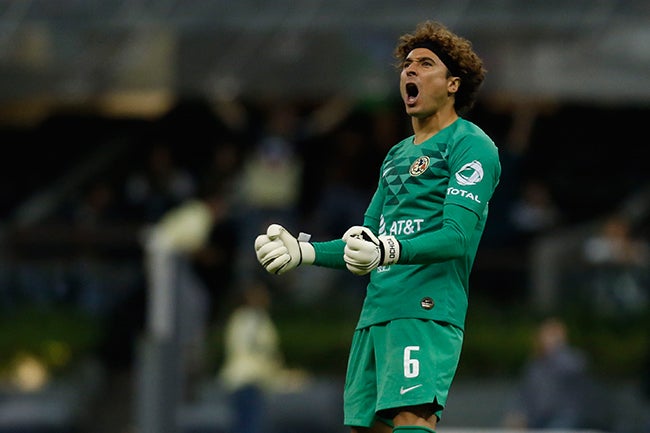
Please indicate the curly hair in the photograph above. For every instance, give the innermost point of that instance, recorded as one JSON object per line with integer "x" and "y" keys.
{"x": 457, "y": 54}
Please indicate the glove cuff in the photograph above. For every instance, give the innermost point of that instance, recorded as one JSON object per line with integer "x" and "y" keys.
{"x": 390, "y": 250}
{"x": 307, "y": 253}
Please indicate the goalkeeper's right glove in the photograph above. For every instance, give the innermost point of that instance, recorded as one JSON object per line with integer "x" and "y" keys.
{"x": 278, "y": 251}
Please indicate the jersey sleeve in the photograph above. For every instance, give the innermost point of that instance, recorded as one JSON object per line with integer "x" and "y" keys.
{"x": 329, "y": 254}
{"x": 450, "y": 242}
{"x": 474, "y": 173}
{"x": 372, "y": 216}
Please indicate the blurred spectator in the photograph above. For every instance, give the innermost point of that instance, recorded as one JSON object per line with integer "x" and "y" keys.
{"x": 221, "y": 259}
{"x": 253, "y": 361}
{"x": 203, "y": 239}
{"x": 161, "y": 185}
{"x": 534, "y": 211}
{"x": 186, "y": 227}
{"x": 283, "y": 172}
{"x": 618, "y": 264}
{"x": 555, "y": 387}
{"x": 271, "y": 176}
{"x": 216, "y": 259}
{"x": 272, "y": 173}
{"x": 613, "y": 243}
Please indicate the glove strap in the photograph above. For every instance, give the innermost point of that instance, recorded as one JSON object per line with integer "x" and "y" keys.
{"x": 307, "y": 253}
{"x": 389, "y": 251}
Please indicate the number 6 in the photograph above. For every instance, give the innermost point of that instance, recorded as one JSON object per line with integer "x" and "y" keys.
{"x": 411, "y": 366}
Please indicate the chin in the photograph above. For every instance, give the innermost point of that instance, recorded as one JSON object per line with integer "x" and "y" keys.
{"x": 411, "y": 110}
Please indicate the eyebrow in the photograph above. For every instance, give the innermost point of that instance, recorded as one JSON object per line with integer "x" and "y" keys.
{"x": 419, "y": 59}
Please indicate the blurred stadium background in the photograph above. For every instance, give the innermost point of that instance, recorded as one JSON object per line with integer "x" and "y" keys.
{"x": 114, "y": 113}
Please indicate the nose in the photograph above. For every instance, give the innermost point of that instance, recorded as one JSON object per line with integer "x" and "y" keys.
{"x": 410, "y": 69}
{"x": 411, "y": 73}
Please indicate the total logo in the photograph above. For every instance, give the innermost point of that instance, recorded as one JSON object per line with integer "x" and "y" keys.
{"x": 463, "y": 193}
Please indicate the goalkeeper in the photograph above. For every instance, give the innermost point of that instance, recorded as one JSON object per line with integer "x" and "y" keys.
{"x": 418, "y": 241}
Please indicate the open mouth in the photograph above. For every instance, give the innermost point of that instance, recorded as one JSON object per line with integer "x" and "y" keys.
{"x": 412, "y": 92}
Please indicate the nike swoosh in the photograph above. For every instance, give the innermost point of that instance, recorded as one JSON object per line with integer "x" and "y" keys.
{"x": 403, "y": 390}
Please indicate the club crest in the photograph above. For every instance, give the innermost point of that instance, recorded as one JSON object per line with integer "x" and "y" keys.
{"x": 419, "y": 166}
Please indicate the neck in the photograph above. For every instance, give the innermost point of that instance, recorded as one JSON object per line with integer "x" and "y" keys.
{"x": 426, "y": 127}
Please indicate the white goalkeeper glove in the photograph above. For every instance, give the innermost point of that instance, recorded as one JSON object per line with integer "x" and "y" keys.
{"x": 364, "y": 251}
{"x": 278, "y": 251}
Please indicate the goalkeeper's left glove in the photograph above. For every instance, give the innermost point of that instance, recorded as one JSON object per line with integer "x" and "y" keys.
{"x": 364, "y": 251}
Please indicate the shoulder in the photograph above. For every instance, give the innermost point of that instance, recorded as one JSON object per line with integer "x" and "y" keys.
{"x": 467, "y": 137}
{"x": 470, "y": 146}
{"x": 466, "y": 130}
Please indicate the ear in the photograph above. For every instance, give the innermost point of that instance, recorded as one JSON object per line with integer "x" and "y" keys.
{"x": 453, "y": 83}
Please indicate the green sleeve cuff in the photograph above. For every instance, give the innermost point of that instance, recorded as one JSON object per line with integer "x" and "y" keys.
{"x": 329, "y": 254}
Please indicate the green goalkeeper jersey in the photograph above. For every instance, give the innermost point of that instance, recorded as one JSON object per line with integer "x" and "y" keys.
{"x": 433, "y": 197}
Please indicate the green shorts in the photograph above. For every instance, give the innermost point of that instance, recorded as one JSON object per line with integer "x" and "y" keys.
{"x": 400, "y": 363}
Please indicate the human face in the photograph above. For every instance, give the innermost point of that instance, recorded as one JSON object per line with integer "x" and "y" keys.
{"x": 426, "y": 85}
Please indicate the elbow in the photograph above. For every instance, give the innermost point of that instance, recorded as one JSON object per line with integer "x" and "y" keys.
{"x": 460, "y": 242}
{"x": 460, "y": 247}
